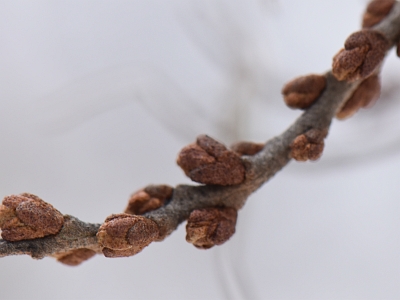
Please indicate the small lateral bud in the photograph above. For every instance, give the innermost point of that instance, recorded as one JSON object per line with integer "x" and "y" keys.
{"x": 123, "y": 235}
{"x": 75, "y": 257}
{"x": 148, "y": 199}
{"x": 398, "y": 49}
{"x": 26, "y": 216}
{"x": 364, "y": 51}
{"x": 210, "y": 162}
{"x": 210, "y": 226}
{"x": 247, "y": 148}
{"x": 364, "y": 96}
{"x": 301, "y": 92}
{"x": 376, "y": 11}
{"x": 308, "y": 146}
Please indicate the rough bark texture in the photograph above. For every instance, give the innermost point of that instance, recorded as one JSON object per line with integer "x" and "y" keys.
{"x": 185, "y": 199}
{"x": 74, "y": 234}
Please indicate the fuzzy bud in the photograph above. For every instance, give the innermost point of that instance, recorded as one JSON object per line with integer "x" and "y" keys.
{"x": 301, "y": 92}
{"x": 376, "y": 11}
{"x": 75, "y": 257}
{"x": 148, "y": 199}
{"x": 26, "y": 216}
{"x": 210, "y": 162}
{"x": 247, "y": 148}
{"x": 308, "y": 146}
{"x": 364, "y": 96}
{"x": 364, "y": 51}
{"x": 123, "y": 235}
{"x": 210, "y": 226}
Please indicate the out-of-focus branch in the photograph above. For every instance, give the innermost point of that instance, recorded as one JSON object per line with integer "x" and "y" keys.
{"x": 185, "y": 199}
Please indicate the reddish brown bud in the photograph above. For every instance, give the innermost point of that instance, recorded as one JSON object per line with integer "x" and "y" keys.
{"x": 247, "y": 148}
{"x": 364, "y": 96}
{"x": 376, "y": 11}
{"x": 364, "y": 51}
{"x": 301, "y": 92}
{"x": 124, "y": 235}
{"x": 75, "y": 257}
{"x": 209, "y": 162}
{"x": 148, "y": 199}
{"x": 26, "y": 216}
{"x": 210, "y": 226}
{"x": 308, "y": 146}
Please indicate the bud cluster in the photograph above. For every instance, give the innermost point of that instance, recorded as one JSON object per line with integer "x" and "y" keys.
{"x": 308, "y": 146}
{"x": 26, "y": 216}
{"x": 148, "y": 199}
{"x": 210, "y": 162}
{"x": 210, "y": 226}
{"x": 75, "y": 257}
{"x": 302, "y": 91}
{"x": 363, "y": 53}
{"x": 123, "y": 235}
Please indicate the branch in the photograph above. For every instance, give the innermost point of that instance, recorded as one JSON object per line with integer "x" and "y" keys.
{"x": 185, "y": 199}
{"x": 75, "y": 234}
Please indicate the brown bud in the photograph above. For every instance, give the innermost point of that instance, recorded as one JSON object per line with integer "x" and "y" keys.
{"x": 308, "y": 146}
{"x": 247, "y": 148}
{"x": 364, "y": 51}
{"x": 124, "y": 235}
{"x": 376, "y": 11}
{"x": 398, "y": 49}
{"x": 148, "y": 199}
{"x": 301, "y": 92}
{"x": 26, "y": 216}
{"x": 210, "y": 226}
{"x": 75, "y": 257}
{"x": 210, "y": 162}
{"x": 364, "y": 96}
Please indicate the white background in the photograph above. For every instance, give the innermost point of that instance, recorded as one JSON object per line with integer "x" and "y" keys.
{"x": 98, "y": 97}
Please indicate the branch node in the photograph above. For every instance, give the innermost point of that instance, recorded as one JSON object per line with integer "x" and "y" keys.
{"x": 365, "y": 96}
{"x": 363, "y": 53}
{"x": 26, "y": 216}
{"x": 302, "y": 91}
{"x": 308, "y": 146}
{"x": 247, "y": 148}
{"x": 123, "y": 235}
{"x": 210, "y": 162}
{"x": 75, "y": 257}
{"x": 148, "y": 199}
{"x": 211, "y": 226}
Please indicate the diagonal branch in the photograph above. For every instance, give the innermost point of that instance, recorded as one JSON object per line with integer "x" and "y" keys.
{"x": 260, "y": 168}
